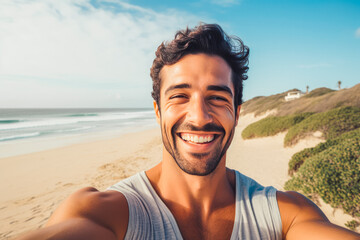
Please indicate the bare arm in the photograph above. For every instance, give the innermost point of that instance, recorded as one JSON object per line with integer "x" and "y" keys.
{"x": 71, "y": 229}
{"x": 87, "y": 214}
{"x": 302, "y": 219}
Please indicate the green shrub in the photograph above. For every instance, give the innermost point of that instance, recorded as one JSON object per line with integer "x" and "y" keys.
{"x": 332, "y": 123}
{"x": 352, "y": 225}
{"x": 272, "y": 125}
{"x": 298, "y": 158}
{"x": 333, "y": 174}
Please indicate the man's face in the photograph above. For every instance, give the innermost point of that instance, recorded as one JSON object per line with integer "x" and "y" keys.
{"x": 197, "y": 114}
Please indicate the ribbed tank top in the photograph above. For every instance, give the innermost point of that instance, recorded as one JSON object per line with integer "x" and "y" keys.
{"x": 257, "y": 213}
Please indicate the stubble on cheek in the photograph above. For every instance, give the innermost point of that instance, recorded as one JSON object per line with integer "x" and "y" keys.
{"x": 228, "y": 142}
{"x": 166, "y": 140}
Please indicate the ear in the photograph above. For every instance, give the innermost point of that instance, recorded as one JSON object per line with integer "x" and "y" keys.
{"x": 237, "y": 114}
{"x": 157, "y": 112}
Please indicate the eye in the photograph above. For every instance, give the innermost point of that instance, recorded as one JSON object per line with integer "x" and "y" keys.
{"x": 178, "y": 96}
{"x": 218, "y": 98}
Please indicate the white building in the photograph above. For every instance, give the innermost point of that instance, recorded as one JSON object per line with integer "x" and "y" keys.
{"x": 293, "y": 95}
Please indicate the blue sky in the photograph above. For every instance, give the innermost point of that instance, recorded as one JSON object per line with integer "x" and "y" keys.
{"x": 93, "y": 53}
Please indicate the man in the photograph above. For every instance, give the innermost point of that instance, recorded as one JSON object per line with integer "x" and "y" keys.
{"x": 197, "y": 90}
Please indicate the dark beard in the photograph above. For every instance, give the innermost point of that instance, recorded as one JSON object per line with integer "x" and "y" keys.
{"x": 213, "y": 158}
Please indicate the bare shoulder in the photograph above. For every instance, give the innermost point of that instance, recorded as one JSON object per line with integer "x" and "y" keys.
{"x": 95, "y": 213}
{"x": 108, "y": 208}
{"x": 295, "y": 208}
{"x": 302, "y": 219}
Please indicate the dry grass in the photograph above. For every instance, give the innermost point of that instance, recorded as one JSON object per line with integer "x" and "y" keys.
{"x": 318, "y": 100}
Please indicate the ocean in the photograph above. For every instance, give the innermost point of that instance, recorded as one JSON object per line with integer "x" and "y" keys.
{"x": 17, "y": 125}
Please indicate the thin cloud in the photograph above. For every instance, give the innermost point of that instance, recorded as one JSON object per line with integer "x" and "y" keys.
{"x": 50, "y": 40}
{"x": 72, "y": 42}
{"x": 357, "y": 33}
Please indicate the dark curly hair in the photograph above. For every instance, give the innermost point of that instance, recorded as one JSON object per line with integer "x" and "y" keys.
{"x": 204, "y": 38}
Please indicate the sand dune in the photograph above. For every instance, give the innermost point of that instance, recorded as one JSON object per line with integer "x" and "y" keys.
{"x": 32, "y": 185}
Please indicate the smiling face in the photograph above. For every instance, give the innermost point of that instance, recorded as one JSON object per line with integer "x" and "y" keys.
{"x": 197, "y": 113}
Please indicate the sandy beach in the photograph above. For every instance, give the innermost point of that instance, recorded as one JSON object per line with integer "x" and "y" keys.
{"x": 34, "y": 184}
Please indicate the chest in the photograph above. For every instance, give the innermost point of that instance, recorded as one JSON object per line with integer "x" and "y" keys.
{"x": 218, "y": 226}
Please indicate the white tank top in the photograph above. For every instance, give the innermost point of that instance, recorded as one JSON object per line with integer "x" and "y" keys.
{"x": 257, "y": 213}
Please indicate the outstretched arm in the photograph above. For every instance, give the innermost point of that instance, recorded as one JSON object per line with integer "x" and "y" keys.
{"x": 302, "y": 219}
{"x": 87, "y": 214}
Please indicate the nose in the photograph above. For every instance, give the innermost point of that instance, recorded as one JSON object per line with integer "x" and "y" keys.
{"x": 199, "y": 113}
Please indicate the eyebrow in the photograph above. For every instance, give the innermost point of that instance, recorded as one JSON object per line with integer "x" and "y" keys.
{"x": 221, "y": 88}
{"x": 178, "y": 86}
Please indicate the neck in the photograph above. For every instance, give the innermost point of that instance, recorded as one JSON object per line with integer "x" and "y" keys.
{"x": 203, "y": 193}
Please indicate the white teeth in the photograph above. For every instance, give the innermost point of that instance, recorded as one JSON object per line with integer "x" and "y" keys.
{"x": 196, "y": 138}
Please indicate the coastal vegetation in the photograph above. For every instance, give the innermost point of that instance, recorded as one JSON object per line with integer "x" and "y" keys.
{"x": 272, "y": 125}
{"x": 331, "y": 123}
{"x": 299, "y": 158}
{"x": 330, "y": 170}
